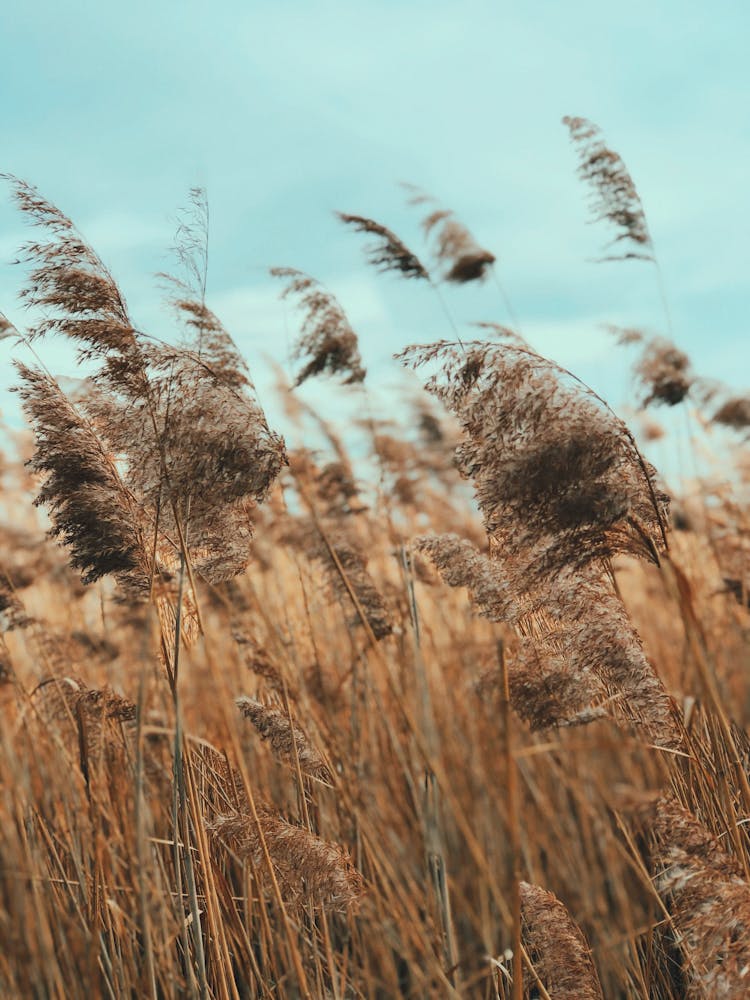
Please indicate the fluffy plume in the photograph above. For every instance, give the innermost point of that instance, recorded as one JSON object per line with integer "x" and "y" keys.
{"x": 613, "y": 193}
{"x": 558, "y": 478}
{"x": 190, "y": 439}
{"x": 305, "y": 866}
{"x": 549, "y": 690}
{"x": 71, "y": 284}
{"x": 558, "y": 949}
{"x": 709, "y": 901}
{"x": 734, "y": 413}
{"x": 501, "y": 332}
{"x": 6, "y": 327}
{"x": 460, "y": 564}
{"x": 12, "y": 612}
{"x": 211, "y": 459}
{"x": 92, "y": 511}
{"x": 625, "y": 335}
{"x": 287, "y": 742}
{"x": 387, "y": 252}
{"x": 85, "y": 719}
{"x": 593, "y": 633}
{"x": 562, "y": 487}
{"x": 455, "y": 249}
{"x": 328, "y": 341}
{"x": 663, "y": 373}
{"x": 258, "y": 660}
{"x": 550, "y": 683}
{"x": 346, "y": 570}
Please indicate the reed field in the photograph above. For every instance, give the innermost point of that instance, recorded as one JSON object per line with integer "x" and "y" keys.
{"x": 463, "y": 715}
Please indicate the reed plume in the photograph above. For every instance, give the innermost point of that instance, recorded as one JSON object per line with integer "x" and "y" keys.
{"x": 593, "y": 632}
{"x": 305, "y": 866}
{"x": 709, "y": 901}
{"x": 92, "y": 511}
{"x": 454, "y": 248}
{"x": 86, "y": 719}
{"x": 386, "y": 252}
{"x": 6, "y": 327}
{"x": 288, "y": 743}
{"x": 562, "y": 488}
{"x": 613, "y": 194}
{"x": 550, "y": 690}
{"x": 173, "y": 435}
{"x": 663, "y": 373}
{"x": 561, "y": 956}
{"x": 460, "y": 564}
{"x": 328, "y": 340}
{"x": 329, "y": 543}
{"x": 734, "y": 413}
{"x": 70, "y": 283}
{"x": 558, "y": 478}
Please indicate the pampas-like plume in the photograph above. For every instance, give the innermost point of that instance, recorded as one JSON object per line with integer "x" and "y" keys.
{"x": 6, "y": 327}
{"x": 387, "y": 252}
{"x": 559, "y": 951}
{"x": 455, "y": 249}
{"x": 213, "y": 454}
{"x": 460, "y": 564}
{"x": 194, "y": 451}
{"x": 288, "y": 743}
{"x": 613, "y": 194}
{"x": 81, "y": 715}
{"x": 77, "y": 293}
{"x": 595, "y": 636}
{"x": 12, "y": 612}
{"x": 708, "y": 899}
{"x": 734, "y": 413}
{"x": 663, "y": 373}
{"x": 546, "y": 688}
{"x": 306, "y": 866}
{"x": 558, "y": 478}
{"x": 92, "y": 511}
{"x": 346, "y": 570}
{"x": 327, "y": 340}
{"x": 561, "y": 486}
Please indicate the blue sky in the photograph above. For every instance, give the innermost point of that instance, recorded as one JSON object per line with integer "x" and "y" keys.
{"x": 286, "y": 111}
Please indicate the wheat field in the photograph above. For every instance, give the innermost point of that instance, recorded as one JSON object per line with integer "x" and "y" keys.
{"x": 465, "y": 716}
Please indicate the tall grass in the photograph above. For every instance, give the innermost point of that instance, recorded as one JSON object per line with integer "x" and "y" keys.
{"x": 297, "y": 736}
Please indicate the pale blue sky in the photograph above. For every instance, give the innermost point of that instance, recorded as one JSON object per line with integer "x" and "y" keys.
{"x": 287, "y": 110}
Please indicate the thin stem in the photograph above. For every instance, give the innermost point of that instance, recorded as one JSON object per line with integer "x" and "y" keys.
{"x": 515, "y": 825}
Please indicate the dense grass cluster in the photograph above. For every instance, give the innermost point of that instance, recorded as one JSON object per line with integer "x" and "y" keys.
{"x": 463, "y": 718}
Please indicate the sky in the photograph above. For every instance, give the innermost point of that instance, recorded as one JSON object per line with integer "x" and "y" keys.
{"x": 287, "y": 111}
